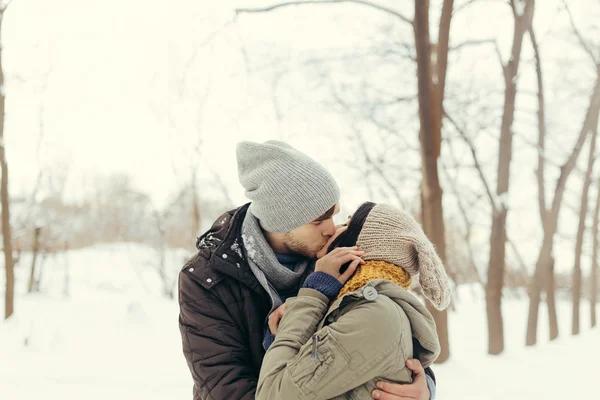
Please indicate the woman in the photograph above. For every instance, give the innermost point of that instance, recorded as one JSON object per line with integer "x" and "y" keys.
{"x": 351, "y": 327}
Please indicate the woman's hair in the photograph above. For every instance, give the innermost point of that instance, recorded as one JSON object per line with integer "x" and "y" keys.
{"x": 349, "y": 237}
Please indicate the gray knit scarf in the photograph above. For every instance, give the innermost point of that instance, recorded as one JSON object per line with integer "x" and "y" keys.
{"x": 272, "y": 276}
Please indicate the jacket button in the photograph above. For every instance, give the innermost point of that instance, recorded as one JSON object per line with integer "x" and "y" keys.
{"x": 370, "y": 293}
{"x": 191, "y": 269}
{"x": 209, "y": 280}
{"x": 224, "y": 255}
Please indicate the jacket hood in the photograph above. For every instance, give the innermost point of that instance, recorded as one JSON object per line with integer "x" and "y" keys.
{"x": 425, "y": 339}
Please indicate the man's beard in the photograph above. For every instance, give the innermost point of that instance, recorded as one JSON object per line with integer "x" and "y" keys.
{"x": 295, "y": 247}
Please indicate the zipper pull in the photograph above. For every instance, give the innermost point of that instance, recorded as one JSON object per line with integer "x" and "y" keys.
{"x": 315, "y": 343}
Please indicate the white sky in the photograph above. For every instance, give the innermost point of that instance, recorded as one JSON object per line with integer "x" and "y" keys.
{"x": 108, "y": 74}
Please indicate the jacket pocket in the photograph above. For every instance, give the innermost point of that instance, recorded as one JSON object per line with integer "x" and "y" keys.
{"x": 318, "y": 360}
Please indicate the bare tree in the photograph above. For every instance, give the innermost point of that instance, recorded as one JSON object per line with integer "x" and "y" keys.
{"x": 6, "y": 229}
{"x": 430, "y": 115}
{"x": 540, "y": 174}
{"x": 36, "y": 247}
{"x": 495, "y": 281}
{"x": 543, "y": 277}
{"x": 580, "y": 231}
{"x": 161, "y": 267}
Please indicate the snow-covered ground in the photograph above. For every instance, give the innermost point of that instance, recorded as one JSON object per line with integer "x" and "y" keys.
{"x": 115, "y": 337}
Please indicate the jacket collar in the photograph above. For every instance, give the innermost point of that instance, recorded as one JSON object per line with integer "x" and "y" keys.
{"x": 223, "y": 247}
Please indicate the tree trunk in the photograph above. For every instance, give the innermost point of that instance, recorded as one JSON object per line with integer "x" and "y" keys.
{"x": 594, "y": 294}
{"x": 430, "y": 140}
{"x": 551, "y": 301}
{"x": 36, "y": 245}
{"x": 440, "y": 71}
{"x": 594, "y": 272}
{"x": 9, "y": 304}
{"x": 580, "y": 231}
{"x": 496, "y": 263}
{"x": 535, "y": 288}
{"x": 545, "y": 255}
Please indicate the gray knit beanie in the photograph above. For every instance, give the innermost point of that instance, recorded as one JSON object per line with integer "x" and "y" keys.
{"x": 394, "y": 236}
{"x": 288, "y": 189}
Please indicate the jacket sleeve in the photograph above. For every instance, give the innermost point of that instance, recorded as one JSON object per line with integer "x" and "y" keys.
{"x": 304, "y": 363}
{"x": 216, "y": 352}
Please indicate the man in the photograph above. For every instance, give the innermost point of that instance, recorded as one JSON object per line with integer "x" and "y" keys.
{"x": 249, "y": 262}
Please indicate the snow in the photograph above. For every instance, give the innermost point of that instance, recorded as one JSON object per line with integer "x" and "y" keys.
{"x": 519, "y": 7}
{"x": 562, "y": 369}
{"x": 250, "y": 245}
{"x": 116, "y": 337}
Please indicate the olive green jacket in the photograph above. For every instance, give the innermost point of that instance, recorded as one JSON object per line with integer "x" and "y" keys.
{"x": 341, "y": 351}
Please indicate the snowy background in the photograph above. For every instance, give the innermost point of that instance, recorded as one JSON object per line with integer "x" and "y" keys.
{"x": 148, "y": 95}
{"x": 116, "y": 337}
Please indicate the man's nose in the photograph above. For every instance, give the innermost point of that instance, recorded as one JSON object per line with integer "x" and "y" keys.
{"x": 330, "y": 228}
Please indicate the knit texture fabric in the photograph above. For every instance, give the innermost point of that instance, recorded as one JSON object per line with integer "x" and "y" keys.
{"x": 287, "y": 188}
{"x": 372, "y": 270}
{"x": 392, "y": 235}
{"x": 324, "y": 283}
{"x": 272, "y": 276}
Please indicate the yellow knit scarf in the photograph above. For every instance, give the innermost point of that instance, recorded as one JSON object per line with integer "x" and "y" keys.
{"x": 376, "y": 270}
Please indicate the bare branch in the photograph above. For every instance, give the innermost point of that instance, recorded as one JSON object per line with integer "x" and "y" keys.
{"x": 4, "y": 7}
{"x": 587, "y": 126}
{"x": 207, "y": 40}
{"x": 582, "y": 41}
{"x": 473, "y": 43}
{"x": 541, "y": 130}
{"x": 471, "y": 2}
{"x": 467, "y": 220}
{"x": 475, "y": 160}
{"x": 499, "y": 54}
{"x": 305, "y": 2}
{"x": 363, "y": 146}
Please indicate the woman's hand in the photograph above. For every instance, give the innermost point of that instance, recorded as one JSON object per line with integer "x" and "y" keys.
{"x": 333, "y": 261}
{"x": 339, "y": 230}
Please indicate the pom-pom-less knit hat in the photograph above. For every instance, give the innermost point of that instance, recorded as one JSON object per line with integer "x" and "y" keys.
{"x": 394, "y": 236}
{"x": 287, "y": 188}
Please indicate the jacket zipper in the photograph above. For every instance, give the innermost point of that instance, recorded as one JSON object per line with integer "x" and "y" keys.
{"x": 315, "y": 340}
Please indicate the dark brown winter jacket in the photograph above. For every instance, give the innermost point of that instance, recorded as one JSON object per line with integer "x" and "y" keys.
{"x": 222, "y": 313}
{"x": 223, "y": 308}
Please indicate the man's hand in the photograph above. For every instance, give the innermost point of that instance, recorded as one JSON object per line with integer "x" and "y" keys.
{"x": 275, "y": 318}
{"x": 333, "y": 261}
{"x": 417, "y": 390}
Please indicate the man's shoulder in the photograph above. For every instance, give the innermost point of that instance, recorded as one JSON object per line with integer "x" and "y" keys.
{"x": 219, "y": 254}
{"x": 223, "y": 228}
{"x": 194, "y": 278}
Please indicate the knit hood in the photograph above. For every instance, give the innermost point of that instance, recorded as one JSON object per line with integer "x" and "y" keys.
{"x": 392, "y": 235}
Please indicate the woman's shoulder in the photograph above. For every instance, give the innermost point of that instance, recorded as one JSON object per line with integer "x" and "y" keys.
{"x": 376, "y": 309}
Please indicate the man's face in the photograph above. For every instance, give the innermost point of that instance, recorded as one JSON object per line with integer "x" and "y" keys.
{"x": 308, "y": 239}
